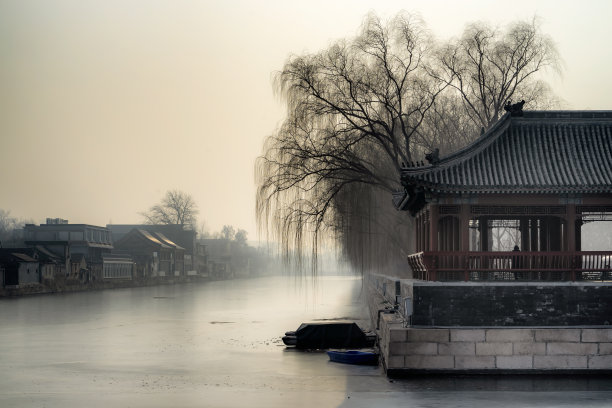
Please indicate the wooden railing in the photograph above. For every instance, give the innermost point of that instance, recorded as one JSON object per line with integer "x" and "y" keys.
{"x": 512, "y": 266}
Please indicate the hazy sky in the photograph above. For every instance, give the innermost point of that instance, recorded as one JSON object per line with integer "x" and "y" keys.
{"x": 105, "y": 105}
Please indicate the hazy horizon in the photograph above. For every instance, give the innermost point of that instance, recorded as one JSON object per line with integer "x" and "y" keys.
{"x": 104, "y": 106}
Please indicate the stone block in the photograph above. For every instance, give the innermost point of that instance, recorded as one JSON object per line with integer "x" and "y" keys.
{"x": 575, "y": 349}
{"x": 509, "y": 335}
{"x": 395, "y": 362}
{"x": 397, "y": 348}
{"x": 514, "y": 362}
{"x": 596, "y": 335}
{"x": 565, "y": 335}
{"x": 476, "y": 335}
{"x": 457, "y": 349}
{"x": 600, "y": 362}
{"x": 493, "y": 349}
{"x": 559, "y": 362}
{"x": 421, "y": 348}
{"x": 474, "y": 362}
{"x": 430, "y": 362}
{"x": 529, "y": 349}
{"x": 428, "y": 335}
{"x": 605, "y": 348}
{"x": 397, "y": 334}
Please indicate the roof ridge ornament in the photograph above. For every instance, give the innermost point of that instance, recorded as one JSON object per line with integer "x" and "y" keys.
{"x": 434, "y": 157}
{"x": 514, "y": 109}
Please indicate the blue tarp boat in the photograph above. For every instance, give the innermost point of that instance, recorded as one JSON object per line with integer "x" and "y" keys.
{"x": 354, "y": 357}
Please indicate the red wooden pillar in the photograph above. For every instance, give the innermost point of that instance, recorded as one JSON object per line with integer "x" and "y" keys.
{"x": 570, "y": 226}
{"x": 464, "y": 231}
{"x": 570, "y": 245}
{"x": 433, "y": 235}
{"x": 433, "y": 227}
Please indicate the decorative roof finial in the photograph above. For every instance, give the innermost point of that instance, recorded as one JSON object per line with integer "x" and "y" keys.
{"x": 515, "y": 109}
{"x": 434, "y": 157}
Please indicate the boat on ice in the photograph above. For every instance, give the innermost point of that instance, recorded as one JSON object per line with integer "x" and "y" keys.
{"x": 353, "y": 357}
{"x": 329, "y": 335}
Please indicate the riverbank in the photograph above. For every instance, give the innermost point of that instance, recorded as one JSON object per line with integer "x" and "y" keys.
{"x": 54, "y": 286}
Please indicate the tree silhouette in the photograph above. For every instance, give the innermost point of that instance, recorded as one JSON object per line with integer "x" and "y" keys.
{"x": 176, "y": 207}
{"x": 360, "y": 110}
{"x": 487, "y": 67}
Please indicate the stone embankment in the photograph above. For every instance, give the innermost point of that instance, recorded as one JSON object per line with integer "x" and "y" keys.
{"x": 408, "y": 349}
{"x": 507, "y": 350}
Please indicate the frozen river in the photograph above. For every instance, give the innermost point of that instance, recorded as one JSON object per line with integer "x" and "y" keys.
{"x": 217, "y": 344}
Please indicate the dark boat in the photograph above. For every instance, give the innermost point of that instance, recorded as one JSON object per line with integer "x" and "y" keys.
{"x": 329, "y": 335}
{"x": 354, "y": 357}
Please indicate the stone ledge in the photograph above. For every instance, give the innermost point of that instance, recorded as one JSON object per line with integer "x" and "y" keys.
{"x": 410, "y": 372}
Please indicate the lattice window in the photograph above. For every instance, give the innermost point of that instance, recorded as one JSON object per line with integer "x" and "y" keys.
{"x": 516, "y": 210}
{"x": 448, "y": 209}
{"x": 593, "y": 209}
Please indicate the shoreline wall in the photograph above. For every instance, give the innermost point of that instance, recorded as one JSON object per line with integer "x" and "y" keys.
{"x": 484, "y": 349}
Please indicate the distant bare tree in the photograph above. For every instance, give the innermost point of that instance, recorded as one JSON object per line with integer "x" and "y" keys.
{"x": 241, "y": 237}
{"x": 7, "y": 226}
{"x": 488, "y": 67}
{"x": 176, "y": 207}
{"x": 228, "y": 232}
{"x": 10, "y": 229}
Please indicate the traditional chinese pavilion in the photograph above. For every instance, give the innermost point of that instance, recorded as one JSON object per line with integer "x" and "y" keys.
{"x": 513, "y": 204}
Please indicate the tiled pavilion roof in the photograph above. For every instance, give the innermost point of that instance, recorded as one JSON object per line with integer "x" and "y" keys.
{"x": 539, "y": 152}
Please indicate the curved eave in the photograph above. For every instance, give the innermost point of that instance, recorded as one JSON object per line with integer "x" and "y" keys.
{"x": 465, "y": 153}
{"x": 452, "y": 189}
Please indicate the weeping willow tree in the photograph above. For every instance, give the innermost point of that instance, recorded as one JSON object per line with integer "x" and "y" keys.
{"x": 353, "y": 110}
{"x": 356, "y": 113}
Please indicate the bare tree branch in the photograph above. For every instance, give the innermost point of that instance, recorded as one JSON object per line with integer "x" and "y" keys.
{"x": 176, "y": 207}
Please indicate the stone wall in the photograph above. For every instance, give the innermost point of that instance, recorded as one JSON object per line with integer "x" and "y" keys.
{"x": 511, "y": 304}
{"x": 497, "y": 348}
{"x": 407, "y": 350}
{"x": 505, "y": 304}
